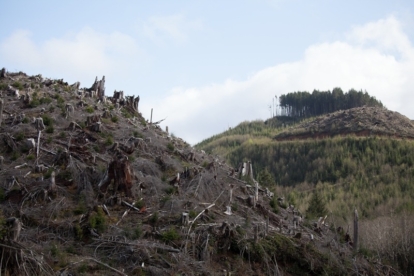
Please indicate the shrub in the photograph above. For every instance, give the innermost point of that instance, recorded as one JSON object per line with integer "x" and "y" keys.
{"x": 139, "y": 204}
{"x": 137, "y": 232}
{"x": 170, "y": 190}
{"x": 126, "y": 114}
{"x": 35, "y": 102}
{"x": 154, "y": 218}
{"x": 98, "y": 221}
{"x": 89, "y": 109}
{"x": 136, "y": 134}
{"x": 78, "y": 232}
{"x": 109, "y": 141}
{"x": 30, "y": 157}
{"x": 48, "y": 173}
{"x": 170, "y": 146}
{"x": 47, "y": 120}
{"x": 170, "y": 235}
{"x": 50, "y": 129}
{"x": 114, "y": 119}
{"x": 80, "y": 209}
{"x": 20, "y": 136}
{"x": 18, "y": 85}
{"x": 45, "y": 100}
{"x": 274, "y": 204}
{"x": 60, "y": 100}
{"x": 3, "y": 86}
{"x": 192, "y": 214}
{"x": 25, "y": 120}
{"x": 15, "y": 155}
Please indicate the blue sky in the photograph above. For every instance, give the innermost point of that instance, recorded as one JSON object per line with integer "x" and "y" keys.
{"x": 209, "y": 65}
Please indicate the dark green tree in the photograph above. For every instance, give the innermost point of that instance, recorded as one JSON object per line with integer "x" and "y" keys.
{"x": 265, "y": 178}
{"x": 317, "y": 206}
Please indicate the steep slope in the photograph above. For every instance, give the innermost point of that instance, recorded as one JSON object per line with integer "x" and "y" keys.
{"x": 88, "y": 186}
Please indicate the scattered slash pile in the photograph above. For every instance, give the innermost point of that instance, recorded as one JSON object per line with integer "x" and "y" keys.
{"x": 89, "y": 187}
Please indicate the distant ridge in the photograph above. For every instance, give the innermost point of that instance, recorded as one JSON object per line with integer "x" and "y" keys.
{"x": 361, "y": 121}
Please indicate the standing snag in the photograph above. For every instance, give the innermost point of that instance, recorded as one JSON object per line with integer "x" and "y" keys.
{"x": 69, "y": 109}
{"x": 39, "y": 125}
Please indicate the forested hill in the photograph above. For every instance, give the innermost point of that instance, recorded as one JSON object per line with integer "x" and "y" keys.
{"x": 359, "y": 158}
{"x": 367, "y": 151}
{"x": 305, "y": 104}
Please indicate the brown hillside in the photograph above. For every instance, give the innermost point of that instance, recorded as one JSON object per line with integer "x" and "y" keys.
{"x": 361, "y": 121}
{"x": 89, "y": 187}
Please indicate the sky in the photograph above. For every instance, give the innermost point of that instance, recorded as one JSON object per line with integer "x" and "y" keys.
{"x": 208, "y": 65}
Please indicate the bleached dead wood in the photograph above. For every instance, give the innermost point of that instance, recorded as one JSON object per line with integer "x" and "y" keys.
{"x": 15, "y": 227}
{"x": 184, "y": 218}
{"x": 69, "y": 109}
{"x": 73, "y": 126}
{"x": 52, "y": 183}
{"x": 48, "y": 151}
{"x": 38, "y": 145}
{"x": 20, "y": 166}
{"x": 30, "y": 143}
{"x": 198, "y": 185}
{"x": 130, "y": 206}
{"x": 75, "y": 86}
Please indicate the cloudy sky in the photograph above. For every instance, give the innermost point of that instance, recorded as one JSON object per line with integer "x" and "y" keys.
{"x": 208, "y": 65}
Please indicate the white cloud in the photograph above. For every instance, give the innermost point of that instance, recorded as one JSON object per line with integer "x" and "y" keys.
{"x": 77, "y": 56}
{"x": 362, "y": 61}
{"x": 161, "y": 29}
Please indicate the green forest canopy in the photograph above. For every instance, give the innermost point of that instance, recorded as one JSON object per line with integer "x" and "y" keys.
{"x": 305, "y": 104}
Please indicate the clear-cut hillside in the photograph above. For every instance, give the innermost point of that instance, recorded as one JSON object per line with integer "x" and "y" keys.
{"x": 90, "y": 187}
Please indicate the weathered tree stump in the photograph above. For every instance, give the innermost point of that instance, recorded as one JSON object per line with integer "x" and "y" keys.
{"x": 92, "y": 119}
{"x": 3, "y": 73}
{"x": 120, "y": 172}
{"x": 15, "y": 227}
{"x": 97, "y": 127}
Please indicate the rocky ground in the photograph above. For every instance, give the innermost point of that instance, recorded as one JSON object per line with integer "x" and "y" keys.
{"x": 90, "y": 187}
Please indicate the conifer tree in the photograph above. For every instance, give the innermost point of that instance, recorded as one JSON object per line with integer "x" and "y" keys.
{"x": 317, "y": 206}
{"x": 265, "y": 178}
